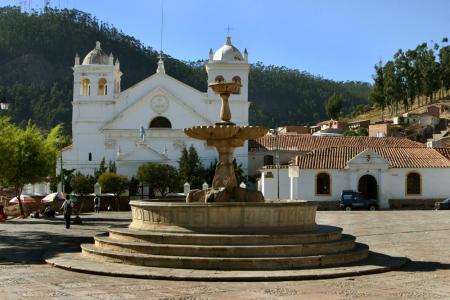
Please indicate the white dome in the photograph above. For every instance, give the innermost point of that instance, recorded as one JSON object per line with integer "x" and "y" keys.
{"x": 96, "y": 56}
{"x": 228, "y": 52}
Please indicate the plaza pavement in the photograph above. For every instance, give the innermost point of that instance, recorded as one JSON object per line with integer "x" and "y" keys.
{"x": 423, "y": 236}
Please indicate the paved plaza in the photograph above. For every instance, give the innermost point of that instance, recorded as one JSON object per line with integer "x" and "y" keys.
{"x": 423, "y": 236}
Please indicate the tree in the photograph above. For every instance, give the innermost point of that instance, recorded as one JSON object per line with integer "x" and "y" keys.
{"x": 82, "y": 185}
{"x": 361, "y": 131}
{"x": 190, "y": 167}
{"x": 102, "y": 168}
{"x": 238, "y": 171}
{"x": 160, "y": 178}
{"x": 444, "y": 58}
{"x": 377, "y": 94}
{"x": 333, "y": 106}
{"x": 26, "y": 156}
{"x": 114, "y": 183}
{"x": 392, "y": 86}
{"x": 112, "y": 167}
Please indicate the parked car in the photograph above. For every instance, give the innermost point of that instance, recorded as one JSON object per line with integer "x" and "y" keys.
{"x": 445, "y": 204}
{"x": 356, "y": 200}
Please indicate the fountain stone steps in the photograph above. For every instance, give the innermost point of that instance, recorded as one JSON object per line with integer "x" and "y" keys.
{"x": 324, "y": 247}
{"x": 321, "y": 234}
{"x": 358, "y": 253}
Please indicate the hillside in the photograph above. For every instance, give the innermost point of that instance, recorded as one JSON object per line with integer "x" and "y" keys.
{"x": 37, "y": 52}
{"x": 374, "y": 114}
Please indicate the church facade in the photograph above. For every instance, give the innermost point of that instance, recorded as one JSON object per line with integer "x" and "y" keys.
{"x": 145, "y": 122}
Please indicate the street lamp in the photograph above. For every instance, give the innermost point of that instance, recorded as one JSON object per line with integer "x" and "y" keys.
{"x": 274, "y": 133}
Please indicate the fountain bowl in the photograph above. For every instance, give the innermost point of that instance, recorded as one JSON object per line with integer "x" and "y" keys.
{"x": 223, "y": 132}
{"x": 225, "y": 87}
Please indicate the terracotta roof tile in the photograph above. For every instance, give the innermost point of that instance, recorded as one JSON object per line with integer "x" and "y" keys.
{"x": 337, "y": 157}
{"x": 309, "y": 142}
{"x": 444, "y": 151}
{"x": 67, "y": 148}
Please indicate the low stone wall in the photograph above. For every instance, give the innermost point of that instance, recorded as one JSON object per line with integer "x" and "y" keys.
{"x": 327, "y": 205}
{"x": 86, "y": 203}
{"x": 413, "y": 203}
{"x": 223, "y": 216}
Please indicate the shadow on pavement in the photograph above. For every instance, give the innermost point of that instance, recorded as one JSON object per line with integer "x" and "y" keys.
{"x": 28, "y": 247}
{"x": 425, "y": 266}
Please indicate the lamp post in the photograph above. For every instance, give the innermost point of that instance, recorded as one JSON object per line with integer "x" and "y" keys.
{"x": 274, "y": 133}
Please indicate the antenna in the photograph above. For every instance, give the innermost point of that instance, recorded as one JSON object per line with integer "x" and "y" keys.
{"x": 162, "y": 26}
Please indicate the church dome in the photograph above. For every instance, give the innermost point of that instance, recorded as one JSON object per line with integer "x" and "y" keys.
{"x": 96, "y": 56}
{"x": 228, "y": 53}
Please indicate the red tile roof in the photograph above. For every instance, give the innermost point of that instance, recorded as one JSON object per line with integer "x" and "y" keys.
{"x": 444, "y": 151}
{"x": 289, "y": 142}
{"x": 337, "y": 157}
{"x": 67, "y": 148}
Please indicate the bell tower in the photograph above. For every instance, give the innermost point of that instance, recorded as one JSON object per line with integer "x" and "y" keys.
{"x": 228, "y": 64}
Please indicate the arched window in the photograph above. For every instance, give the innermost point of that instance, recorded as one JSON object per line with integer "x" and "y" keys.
{"x": 237, "y": 79}
{"x": 413, "y": 184}
{"x": 219, "y": 79}
{"x": 102, "y": 87}
{"x": 90, "y": 156}
{"x": 160, "y": 122}
{"x": 268, "y": 160}
{"x": 323, "y": 184}
{"x": 85, "y": 87}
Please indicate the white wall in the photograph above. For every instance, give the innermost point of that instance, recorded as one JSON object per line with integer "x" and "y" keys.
{"x": 391, "y": 183}
{"x": 269, "y": 185}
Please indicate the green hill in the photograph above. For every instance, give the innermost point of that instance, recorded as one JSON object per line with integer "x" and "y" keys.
{"x": 37, "y": 52}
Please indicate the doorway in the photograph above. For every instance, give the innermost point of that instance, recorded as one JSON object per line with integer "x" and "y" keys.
{"x": 368, "y": 186}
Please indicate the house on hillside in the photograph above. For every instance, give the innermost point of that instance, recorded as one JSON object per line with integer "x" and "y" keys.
{"x": 382, "y": 173}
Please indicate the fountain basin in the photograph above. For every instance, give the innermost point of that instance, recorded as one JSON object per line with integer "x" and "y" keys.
{"x": 224, "y": 217}
{"x": 223, "y": 132}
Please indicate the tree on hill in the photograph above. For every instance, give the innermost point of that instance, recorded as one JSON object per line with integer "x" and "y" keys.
{"x": 333, "y": 106}
{"x": 413, "y": 75}
{"x": 377, "y": 94}
{"x": 444, "y": 58}
{"x": 36, "y": 76}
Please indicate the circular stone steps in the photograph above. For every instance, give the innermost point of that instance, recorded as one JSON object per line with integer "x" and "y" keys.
{"x": 321, "y": 234}
{"x": 324, "y": 247}
{"x": 359, "y": 252}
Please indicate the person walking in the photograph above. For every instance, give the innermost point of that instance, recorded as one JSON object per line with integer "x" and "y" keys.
{"x": 97, "y": 204}
{"x": 67, "y": 209}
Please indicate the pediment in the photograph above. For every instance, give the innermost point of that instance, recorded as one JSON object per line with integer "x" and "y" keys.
{"x": 368, "y": 159}
{"x": 158, "y": 102}
{"x": 142, "y": 153}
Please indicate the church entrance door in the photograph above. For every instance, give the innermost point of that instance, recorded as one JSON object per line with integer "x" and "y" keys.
{"x": 368, "y": 186}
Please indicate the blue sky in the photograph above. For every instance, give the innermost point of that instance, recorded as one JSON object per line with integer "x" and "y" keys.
{"x": 339, "y": 40}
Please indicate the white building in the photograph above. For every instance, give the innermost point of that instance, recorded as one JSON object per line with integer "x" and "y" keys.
{"x": 145, "y": 122}
{"x": 382, "y": 173}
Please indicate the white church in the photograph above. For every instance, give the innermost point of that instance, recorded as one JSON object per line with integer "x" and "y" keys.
{"x": 145, "y": 122}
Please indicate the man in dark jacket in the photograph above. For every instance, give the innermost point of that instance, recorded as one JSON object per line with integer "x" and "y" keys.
{"x": 67, "y": 209}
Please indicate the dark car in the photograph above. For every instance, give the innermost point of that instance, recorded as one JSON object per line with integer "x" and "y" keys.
{"x": 445, "y": 204}
{"x": 356, "y": 200}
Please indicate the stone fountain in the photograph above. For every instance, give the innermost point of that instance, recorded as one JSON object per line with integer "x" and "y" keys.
{"x": 226, "y": 232}
{"x": 225, "y": 136}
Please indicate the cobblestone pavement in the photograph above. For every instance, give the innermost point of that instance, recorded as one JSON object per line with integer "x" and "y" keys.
{"x": 423, "y": 236}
